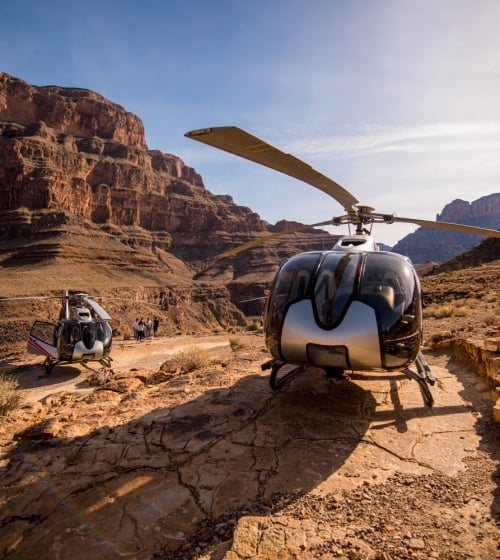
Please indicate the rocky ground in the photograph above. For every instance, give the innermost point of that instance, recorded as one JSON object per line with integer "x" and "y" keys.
{"x": 211, "y": 464}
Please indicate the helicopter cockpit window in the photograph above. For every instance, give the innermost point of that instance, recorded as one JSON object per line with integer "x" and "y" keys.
{"x": 389, "y": 285}
{"x": 44, "y": 331}
{"x": 104, "y": 333}
{"x": 291, "y": 284}
{"x": 293, "y": 279}
{"x": 334, "y": 286}
{"x": 389, "y": 281}
{"x": 69, "y": 335}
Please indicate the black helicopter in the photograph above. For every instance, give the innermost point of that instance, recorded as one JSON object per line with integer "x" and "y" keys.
{"x": 353, "y": 307}
{"x": 82, "y": 333}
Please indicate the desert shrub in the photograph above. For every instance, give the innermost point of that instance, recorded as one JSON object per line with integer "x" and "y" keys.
{"x": 440, "y": 337}
{"x": 492, "y": 320}
{"x": 491, "y": 297}
{"x": 235, "y": 344}
{"x": 469, "y": 303}
{"x": 99, "y": 378}
{"x": 189, "y": 359}
{"x": 428, "y": 311}
{"x": 461, "y": 311}
{"x": 10, "y": 398}
{"x": 439, "y": 311}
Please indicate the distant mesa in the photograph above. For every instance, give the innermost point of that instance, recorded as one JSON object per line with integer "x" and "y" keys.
{"x": 427, "y": 244}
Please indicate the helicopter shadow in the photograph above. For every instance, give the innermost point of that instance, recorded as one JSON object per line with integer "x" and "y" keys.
{"x": 226, "y": 453}
{"x": 185, "y": 472}
{"x": 399, "y": 413}
{"x": 33, "y": 376}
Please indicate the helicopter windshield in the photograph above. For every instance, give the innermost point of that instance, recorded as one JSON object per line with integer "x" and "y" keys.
{"x": 96, "y": 331}
{"x": 291, "y": 284}
{"x": 104, "y": 333}
{"x": 390, "y": 285}
{"x": 389, "y": 282}
{"x": 87, "y": 332}
{"x": 334, "y": 286}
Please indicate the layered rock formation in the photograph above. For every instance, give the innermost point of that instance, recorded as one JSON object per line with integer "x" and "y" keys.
{"x": 79, "y": 184}
{"x": 427, "y": 244}
{"x": 71, "y": 111}
{"x": 74, "y": 151}
{"x": 82, "y": 197}
{"x": 487, "y": 251}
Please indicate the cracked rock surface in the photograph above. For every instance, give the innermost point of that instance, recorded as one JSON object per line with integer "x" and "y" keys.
{"x": 213, "y": 464}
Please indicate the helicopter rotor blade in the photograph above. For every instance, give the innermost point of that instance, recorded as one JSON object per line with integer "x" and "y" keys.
{"x": 252, "y": 299}
{"x": 266, "y": 238}
{"x": 29, "y": 297}
{"x": 239, "y": 142}
{"x": 449, "y": 226}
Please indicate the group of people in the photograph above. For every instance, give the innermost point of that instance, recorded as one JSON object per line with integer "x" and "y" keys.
{"x": 144, "y": 327}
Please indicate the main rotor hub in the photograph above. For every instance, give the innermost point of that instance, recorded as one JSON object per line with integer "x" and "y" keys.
{"x": 363, "y": 209}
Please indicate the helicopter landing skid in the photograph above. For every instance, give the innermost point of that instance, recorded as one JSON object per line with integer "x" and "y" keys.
{"x": 275, "y": 366}
{"x": 423, "y": 376}
{"x": 105, "y": 366}
{"x": 48, "y": 364}
{"x": 106, "y": 362}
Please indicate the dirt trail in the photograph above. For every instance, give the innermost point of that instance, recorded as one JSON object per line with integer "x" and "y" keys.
{"x": 127, "y": 356}
{"x": 152, "y": 352}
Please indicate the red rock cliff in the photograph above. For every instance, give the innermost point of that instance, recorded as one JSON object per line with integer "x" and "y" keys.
{"x": 72, "y": 111}
{"x": 73, "y": 150}
{"x": 460, "y": 210}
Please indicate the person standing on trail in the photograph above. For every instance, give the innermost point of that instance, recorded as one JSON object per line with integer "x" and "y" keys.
{"x": 140, "y": 330}
{"x": 135, "y": 324}
{"x": 156, "y": 323}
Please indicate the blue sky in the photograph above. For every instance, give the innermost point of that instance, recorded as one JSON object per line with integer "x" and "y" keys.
{"x": 397, "y": 100}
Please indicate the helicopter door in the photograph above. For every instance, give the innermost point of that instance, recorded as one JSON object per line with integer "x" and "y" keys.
{"x": 69, "y": 335}
{"x": 43, "y": 339}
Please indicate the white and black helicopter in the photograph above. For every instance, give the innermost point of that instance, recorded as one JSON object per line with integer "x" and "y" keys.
{"x": 82, "y": 333}
{"x": 350, "y": 308}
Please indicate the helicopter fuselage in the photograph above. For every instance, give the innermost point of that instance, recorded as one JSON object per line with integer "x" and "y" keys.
{"x": 71, "y": 340}
{"x": 354, "y": 307}
{"x": 342, "y": 309}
